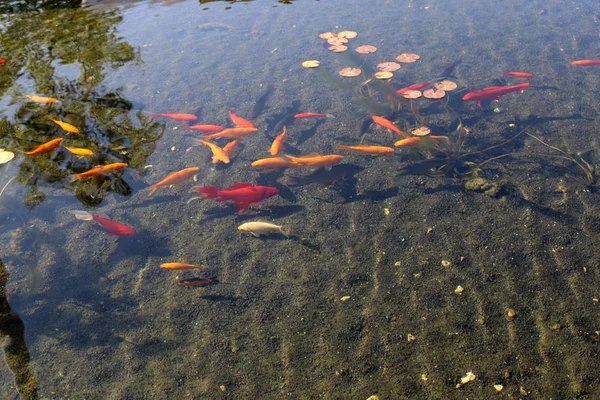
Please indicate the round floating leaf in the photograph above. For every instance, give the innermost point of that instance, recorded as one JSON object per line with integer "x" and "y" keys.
{"x": 388, "y": 66}
{"x": 420, "y": 131}
{"x": 383, "y": 75}
{"x": 434, "y": 93}
{"x": 366, "y": 49}
{"x": 350, "y": 72}
{"x": 446, "y": 85}
{"x": 327, "y": 35}
{"x": 6, "y": 156}
{"x": 348, "y": 34}
{"x": 337, "y": 48}
{"x": 411, "y": 94}
{"x": 408, "y": 57}
{"x": 337, "y": 40}
{"x": 311, "y": 63}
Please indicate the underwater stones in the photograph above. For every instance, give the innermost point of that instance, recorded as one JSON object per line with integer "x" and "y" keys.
{"x": 479, "y": 184}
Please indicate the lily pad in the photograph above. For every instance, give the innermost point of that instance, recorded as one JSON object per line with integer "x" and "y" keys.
{"x": 348, "y": 34}
{"x": 388, "y": 66}
{"x": 407, "y": 57}
{"x": 446, "y": 85}
{"x": 350, "y": 72}
{"x": 311, "y": 63}
{"x": 383, "y": 75}
{"x": 6, "y": 156}
{"x": 434, "y": 93}
{"x": 366, "y": 49}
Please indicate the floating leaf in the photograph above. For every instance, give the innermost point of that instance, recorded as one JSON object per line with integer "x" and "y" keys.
{"x": 337, "y": 40}
{"x": 311, "y": 63}
{"x": 383, "y": 75}
{"x": 348, "y": 34}
{"x": 411, "y": 94}
{"x": 434, "y": 93}
{"x": 388, "y": 66}
{"x": 420, "y": 131}
{"x": 6, "y": 156}
{"x": 339, "y": 48}
{"x": 446, "y": 85}
{"x": 350, "y": 72}
{"x": 408, "y": 57}
{"x": 366, "y": 49}
{"x": 327, "y": 35}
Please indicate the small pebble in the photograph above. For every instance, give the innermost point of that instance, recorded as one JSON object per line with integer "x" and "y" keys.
{"x": 173, "y": 148}
{"x": 498, "y": 388}
{"x": 510, "y": 313}
{"x": 459, "y": 289}
{"x": 345, "y": 298}
{"x": 410, "y": 338}
{"x": 446, "y": 263}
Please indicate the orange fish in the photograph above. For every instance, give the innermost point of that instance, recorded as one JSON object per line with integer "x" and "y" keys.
{"x": 277, "y": 146}
{"x": 374, "y": 150}
{"x": 586, "y": 62}
{"x": 44, "y": 148}
{"x": 386, "y": 123}
{"x": 67, "y": 127}
{"x": 317, "y": 160}
{"x": 229, "y": 149}
{"x": 178, "y": 266}
{"x": 101, "y": 170}
{"x": 518, "y": 74}
{"x": 414, "y": 141}
{"x": 41, "y": 99}
{"x": 80, "y": 151}
{"x": 240, "y": 122}
{"x": 175, "y": 178}
{"x": 205, "y": 128}
{"x": 176, "y": 116}
{"x": 217, "y": 151}
{"x": 231, "y": 133}
{"x": 275, "y": 162}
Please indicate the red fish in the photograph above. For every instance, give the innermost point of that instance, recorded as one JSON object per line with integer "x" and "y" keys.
{"x": 586, "y": 62}
{"x": 312, "y": 115}
{"x": 205, "y": 128}
{"x": 243, "y": 194}
{"x": 176, "y": 116}
{"x": 493, "y": 93}
{"x": 418, "y": 86}
{"x": 3, "y": 61}
{"x": 239, "y": 121}
{"x": 517, "y": 74}
{"x": 114, "y": 228}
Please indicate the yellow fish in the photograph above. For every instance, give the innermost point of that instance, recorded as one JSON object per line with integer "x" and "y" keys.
{"x": 79, "y": 151}
{"x": 67, "y": 127}
{"x": 41, "y": 99}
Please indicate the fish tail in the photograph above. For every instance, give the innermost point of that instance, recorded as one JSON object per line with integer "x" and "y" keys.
{"x": 208, "y": 192}
{"x": 83, "y": 215}
{"x": 505, "y": 72}
{"x": 152, "y": 190}
{"x": 329, "y": 116}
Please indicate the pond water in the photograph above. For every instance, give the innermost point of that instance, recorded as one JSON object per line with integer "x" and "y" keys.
{"x": 454, "y": 266}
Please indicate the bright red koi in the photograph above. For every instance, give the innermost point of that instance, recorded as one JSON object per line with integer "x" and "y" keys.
{"x": 418, "y": 86}
{"x": 114, "y": 228}
{"x": 313, "y": 115}
{"x": 493, "y": 93}
{"x": 243, "y": 194}
{"x": 586, "y": 62}
{"x": 518, "y": 74}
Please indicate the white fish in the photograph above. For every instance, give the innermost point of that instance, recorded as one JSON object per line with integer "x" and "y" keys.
{"x": 258, "y": 228}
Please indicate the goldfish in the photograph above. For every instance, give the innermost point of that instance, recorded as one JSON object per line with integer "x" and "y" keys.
{"x": 517, "y": 74}
{"x": 67, "y": 127}
{"x": 374, "y": 150}
{"x": 101, "y": 170}
{"x": 176, "y": 116}
{"x": 217, "y": 151}
{"x": 178, "y": 266}
{"x": 197, "y": 282}
{"x": 40, "y": 99}
{"x": 45, "y": 147}
{"x": 240, "y": 122}
{"x": 175, "y": 178}
{"x": 386, "y": 123}
{"x": 80, "y": 151}
{"x": 414, "y": 141}
{"x": 493, "y": 93}
{"x": 258, "y": 228}
{"x": 229, "y": 149}
{"x": 317, "y": 160}
{"x": 242, "y": 193}
{"x": 114, "y": 228}
{"x": 205, "y": 128}
{"x": 231, "y": 133}
{"x": 275, "y": 162}
{"x": 586, "y": 62}
{"x": 277, "y": 145}
{"x": 312, "y": 115}
{"x": 3, "y": 61}
{"x": 417, "y": 86}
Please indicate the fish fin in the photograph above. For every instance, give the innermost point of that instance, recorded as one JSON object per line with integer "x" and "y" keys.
{"x": 329, "y": 116}
{"x": 242, "y": 207}
{"x": 152, "y": 190}
{"x": 255, "y": 234}
{"x": 82, "y": 215}
{"x": 238, "y": 185}
{"x": 207, "y": 192}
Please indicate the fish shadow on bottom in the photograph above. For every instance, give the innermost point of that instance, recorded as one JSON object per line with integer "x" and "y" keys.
{"x": 250, "y": 213}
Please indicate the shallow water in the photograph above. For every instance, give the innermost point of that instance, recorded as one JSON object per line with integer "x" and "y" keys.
{"x": 89, "y": 315}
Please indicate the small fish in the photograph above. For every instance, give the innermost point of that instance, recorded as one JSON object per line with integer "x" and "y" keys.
{"x": 275, "y": 162}
{"x": 317, "y": 160}
{"x": 101, "y": 170}
{"x": 373, "y": 150}
{"x": 229, "y": 149}
{"x": 205, "y": 128}
{"x": 258, "y": 228}
{"x": 415, "y": 141}
{"x": 277, "y": 146}
{"x": 386, "y": 123}
{"x": 41, "y": 99}
{"x": 114, "y": 228}
{"x": 230, "y": 133}
{"x": 176, "y": 116}
{"x": 45, "y": 147}
{"x": 3, "y": 61}
{"x": 80, "y": 151}
{"x": 197, "y": 282}
{"x": 217, "y": 151}
{"x": 517, "y": 74}
{"x": 242, "y": 193}
{"x": 494, "y": 92}
{"x": 179, "y": 266}
{"x": 417, "y": 86}
{"x": 239, "y": 121}
{"x": 175, "y": 178}
{"x": 312, "y": 115}
{"x": 586, "y": 62}
{"x": 67, "y": 127}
